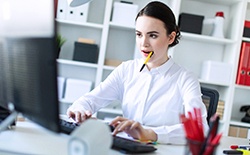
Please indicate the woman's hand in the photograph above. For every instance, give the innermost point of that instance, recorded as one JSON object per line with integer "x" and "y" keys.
{"x": 79, "y": 116}
{"x": 132, "y": 128}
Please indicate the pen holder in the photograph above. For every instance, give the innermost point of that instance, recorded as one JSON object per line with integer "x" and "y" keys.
{"x": 194, "y": 147}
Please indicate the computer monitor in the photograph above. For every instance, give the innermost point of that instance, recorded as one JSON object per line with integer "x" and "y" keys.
{"x": 28, "y": 67}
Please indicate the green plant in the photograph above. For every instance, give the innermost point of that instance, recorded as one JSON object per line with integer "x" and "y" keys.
{"x": 60, "y": 40}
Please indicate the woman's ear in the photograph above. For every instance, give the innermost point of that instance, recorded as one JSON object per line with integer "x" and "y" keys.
{"x": 172, "y": 37}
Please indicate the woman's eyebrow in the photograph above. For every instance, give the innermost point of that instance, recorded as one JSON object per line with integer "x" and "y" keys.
{"x": 150, "y": 32}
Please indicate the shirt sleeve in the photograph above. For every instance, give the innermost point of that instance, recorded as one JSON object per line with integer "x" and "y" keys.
{"x": 106, "y": 92}
{"x": 169, "y": 134}
{"x": 192, "y": 98}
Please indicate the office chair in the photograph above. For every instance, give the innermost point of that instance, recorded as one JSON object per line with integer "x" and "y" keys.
{"x": 210, "y": 98}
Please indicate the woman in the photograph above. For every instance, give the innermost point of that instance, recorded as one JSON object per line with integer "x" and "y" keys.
{"x": 154, "y": 98}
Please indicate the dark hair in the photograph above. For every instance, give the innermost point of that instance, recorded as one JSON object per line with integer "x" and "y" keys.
{"x": 162, "y": 12}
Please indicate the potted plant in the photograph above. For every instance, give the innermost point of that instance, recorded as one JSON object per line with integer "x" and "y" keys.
{"x": 60, "y": 41}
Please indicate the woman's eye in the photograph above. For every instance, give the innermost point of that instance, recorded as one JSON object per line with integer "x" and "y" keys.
{"x": 138, "y": 34}
{"x": 153, "y": 36}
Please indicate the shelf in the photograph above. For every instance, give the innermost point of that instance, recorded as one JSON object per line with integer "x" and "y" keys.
{"x": 213, "y": 83}
{"x": 65, "y": 101}
{"x": 246, "y": 39}
{"x": 91, "y": 25}
{"x": 109, "y": 67}
{"x": 120, "y": 26}
{"x": 76, "y": 63}
{"x": 207, "y": 39}
{"x": 117, "y": 42}
{"x": 239, "y": 123}
{"x": 222, "y": 2}
{"x": 113, "y": 111}
{"x": 242, "y": 87}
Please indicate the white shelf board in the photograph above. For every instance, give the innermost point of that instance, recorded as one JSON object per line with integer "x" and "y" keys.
{"x": 239, "y": 123}
{"x": 207, "y": 39}
{"x": 76, "y": 63}
{"x": 213, "y": 83}
{"x": 246, "y": 39}
{"x": 121, "y": 26}
{"x": 63, "y": 101}
{"x": 113, "y": 111}
{"x": 109, "y": 67}
{"x": 86, "y": 24}
{"x": 223, "y": 2}
{"x": 242, "y": 87}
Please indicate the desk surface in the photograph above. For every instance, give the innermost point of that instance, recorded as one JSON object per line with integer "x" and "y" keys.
{"x": 29, "y": 138}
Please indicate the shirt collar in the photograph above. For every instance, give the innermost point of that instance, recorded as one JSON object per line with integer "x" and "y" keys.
{"x": 164, "y": 67}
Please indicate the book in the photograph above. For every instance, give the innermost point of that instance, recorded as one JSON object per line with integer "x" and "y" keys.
{"x": 86, "y": 52}
{"x": 220, "y": 107}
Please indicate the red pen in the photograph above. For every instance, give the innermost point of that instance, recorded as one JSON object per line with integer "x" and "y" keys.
{"x": 246, "y": 147}
{"x": 210, "y": 148}
{"x": 197, "y": 113}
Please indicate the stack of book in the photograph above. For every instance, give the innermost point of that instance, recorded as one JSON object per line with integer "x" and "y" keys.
{"x": 220, "y": 106}
{"x": 237, "y": 131}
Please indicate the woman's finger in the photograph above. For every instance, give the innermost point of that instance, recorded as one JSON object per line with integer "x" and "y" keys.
{"x": 78, "y": 117}
{"x": 117, "y": 120}
{"x": 71, "y": 114}
{"x": 135, "y": 125}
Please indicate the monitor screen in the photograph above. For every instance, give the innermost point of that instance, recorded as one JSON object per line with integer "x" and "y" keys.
{"x": 3, "y": 100}
{"x": 28, "y": 65}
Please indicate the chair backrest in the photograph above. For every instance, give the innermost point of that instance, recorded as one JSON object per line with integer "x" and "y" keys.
{"x": 210, "y": 98}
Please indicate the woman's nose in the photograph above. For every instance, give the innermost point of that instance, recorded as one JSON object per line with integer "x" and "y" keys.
{"x": 144, "y": 42}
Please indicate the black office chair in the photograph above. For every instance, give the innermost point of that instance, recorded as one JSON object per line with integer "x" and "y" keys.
{"x": 210, "y": 98}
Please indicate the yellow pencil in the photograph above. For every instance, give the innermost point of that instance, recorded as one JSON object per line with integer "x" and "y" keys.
{"x": 146, "y": 61}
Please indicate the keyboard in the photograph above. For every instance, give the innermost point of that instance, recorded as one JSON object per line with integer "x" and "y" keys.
{"x": 121, "y": 144}
{"x": 129, "y": 146}
{"x": 66, "y": 126}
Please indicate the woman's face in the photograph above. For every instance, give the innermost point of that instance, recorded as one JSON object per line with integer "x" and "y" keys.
{"x": 151, "y": 35}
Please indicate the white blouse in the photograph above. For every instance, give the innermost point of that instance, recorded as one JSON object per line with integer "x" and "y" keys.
{"x": 155, "y": 98}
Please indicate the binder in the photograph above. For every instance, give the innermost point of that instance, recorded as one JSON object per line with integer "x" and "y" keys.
{"x": 247, "y": 82}
{"x": 78, "y": 14}
{"x": 243, "y": 63}
{"x": 61, "y": 9}
{"x": 71, "y": 13}
{"x": 81, "y": 13}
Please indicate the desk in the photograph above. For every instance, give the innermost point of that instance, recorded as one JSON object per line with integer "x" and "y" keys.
{"x": 28, "y": 138}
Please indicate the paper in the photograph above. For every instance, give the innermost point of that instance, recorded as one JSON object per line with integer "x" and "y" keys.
{"x": 75, "y": 88}
{"x": 60, "y": 87}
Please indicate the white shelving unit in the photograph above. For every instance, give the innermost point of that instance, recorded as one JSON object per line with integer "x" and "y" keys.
{"x": 117, "y": 42}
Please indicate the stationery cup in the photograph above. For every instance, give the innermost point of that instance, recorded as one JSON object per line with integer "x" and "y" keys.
{"x": 193, "y": 147}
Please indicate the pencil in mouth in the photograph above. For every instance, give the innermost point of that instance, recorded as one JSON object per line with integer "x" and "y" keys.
{"x": 146, "y": 61}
